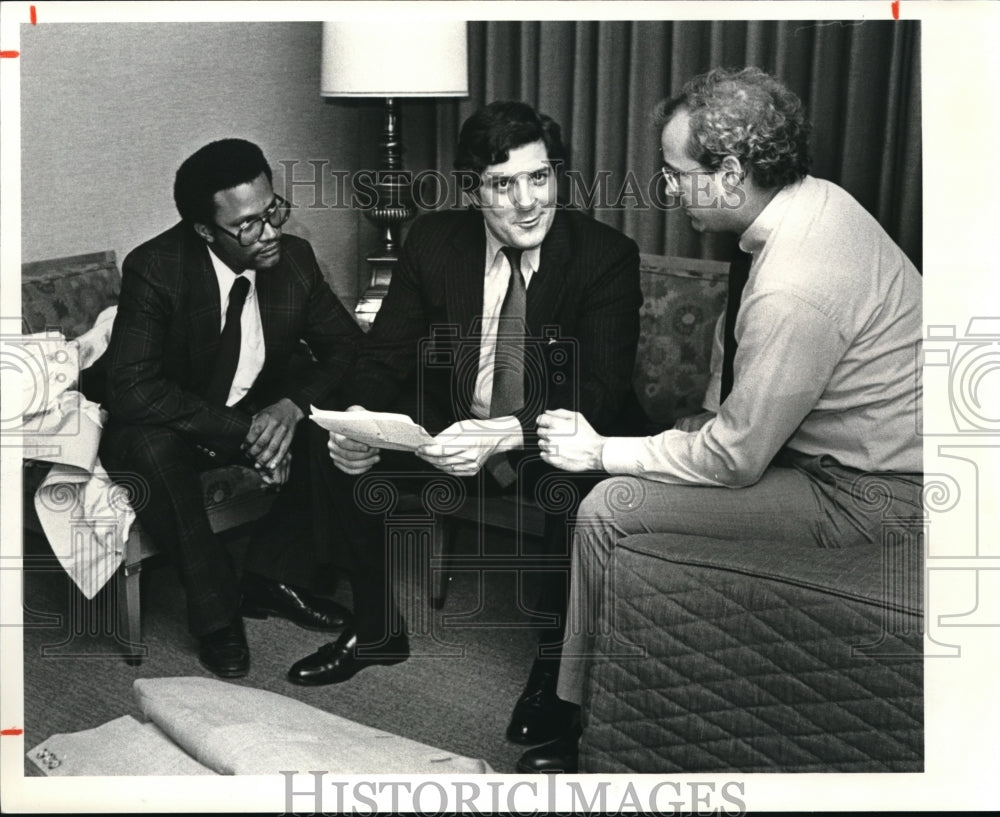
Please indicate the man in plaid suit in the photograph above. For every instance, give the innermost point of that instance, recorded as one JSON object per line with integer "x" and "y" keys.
{"x": 202, "y": 373}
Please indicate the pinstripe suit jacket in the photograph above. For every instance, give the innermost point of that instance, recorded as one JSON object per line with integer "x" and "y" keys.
{"x": 166, "y": 337}
{"x": 582, "y": 319}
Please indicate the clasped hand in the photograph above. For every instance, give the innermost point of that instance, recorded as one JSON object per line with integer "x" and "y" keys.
{"x": 269, "y": 439}
{"x": 569, "y": 442}
{"x": 279, "y": 474}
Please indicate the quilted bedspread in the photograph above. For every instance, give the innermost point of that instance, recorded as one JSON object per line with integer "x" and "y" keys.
{"x": 759, "y": 657}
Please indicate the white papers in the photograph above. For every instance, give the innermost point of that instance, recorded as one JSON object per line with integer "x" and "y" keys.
{"x": 375, "y": 428}
{"x": 117, "y": 748}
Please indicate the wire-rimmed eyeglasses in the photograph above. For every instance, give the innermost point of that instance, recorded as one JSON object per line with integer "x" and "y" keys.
{"x": 673, "y": 176}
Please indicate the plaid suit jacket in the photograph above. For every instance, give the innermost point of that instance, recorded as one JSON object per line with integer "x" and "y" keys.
{"x": 166, "y": 336}
{"x": 582, "y": 321}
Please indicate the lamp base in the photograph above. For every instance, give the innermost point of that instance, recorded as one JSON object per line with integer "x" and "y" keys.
{"x": 371, "y": 299}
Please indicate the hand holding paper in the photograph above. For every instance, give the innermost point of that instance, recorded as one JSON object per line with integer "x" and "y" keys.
{"x": 356, "y": 435}
{"x": 374, "y": 428}
{"x": 464, "y": 447}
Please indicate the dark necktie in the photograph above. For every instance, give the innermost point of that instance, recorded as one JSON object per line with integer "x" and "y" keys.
{"x": 508, "y": 360}
{"x": 739, "y": 271}
{"x": 229, "y": 344}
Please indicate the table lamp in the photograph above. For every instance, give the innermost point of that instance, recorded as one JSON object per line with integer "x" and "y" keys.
{"x": 392, "y": 59}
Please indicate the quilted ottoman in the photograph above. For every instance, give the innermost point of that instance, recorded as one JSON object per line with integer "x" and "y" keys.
{"x": 759, "y": 657}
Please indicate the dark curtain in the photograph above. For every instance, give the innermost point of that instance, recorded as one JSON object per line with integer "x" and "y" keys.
{"x": 860, "y": 82}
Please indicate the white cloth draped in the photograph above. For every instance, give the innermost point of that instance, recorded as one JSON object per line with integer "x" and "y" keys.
{"x": 86, "y": 518}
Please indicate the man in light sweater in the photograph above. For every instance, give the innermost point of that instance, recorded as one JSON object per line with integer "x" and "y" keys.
{"x": 815, "y": 394}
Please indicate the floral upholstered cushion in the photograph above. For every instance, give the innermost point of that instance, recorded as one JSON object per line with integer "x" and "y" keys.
{"x": 67, "y": 294}
{"x": 682, "y": 299}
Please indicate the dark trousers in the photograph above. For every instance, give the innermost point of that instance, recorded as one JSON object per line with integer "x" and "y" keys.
{"x": 351, "y": 512}
{"x": 170, "y": 506}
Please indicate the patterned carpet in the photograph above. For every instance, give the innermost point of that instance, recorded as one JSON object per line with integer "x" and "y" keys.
{"x": 456, "y": 692}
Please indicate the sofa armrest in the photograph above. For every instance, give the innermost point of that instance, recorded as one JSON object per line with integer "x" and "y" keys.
{"x": 67, "y": 294}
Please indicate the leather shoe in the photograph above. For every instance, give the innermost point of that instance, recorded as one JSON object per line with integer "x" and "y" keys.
{"x": 561, "y": 755}
{"x": 539, "y": 714}
{"x": 225, "y": 651}
{"x": 263, "y": 597}
{"x": 339, "y": 661}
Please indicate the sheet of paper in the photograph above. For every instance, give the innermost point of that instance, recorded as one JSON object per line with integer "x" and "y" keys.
{"x": 375, "y": 428}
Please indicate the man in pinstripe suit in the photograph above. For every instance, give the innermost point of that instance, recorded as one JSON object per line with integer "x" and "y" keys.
{"x": 431, "y": 353}
{"x": 201, "y": 374}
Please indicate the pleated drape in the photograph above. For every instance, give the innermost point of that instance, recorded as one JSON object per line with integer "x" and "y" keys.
{"x": 860, "y": 82}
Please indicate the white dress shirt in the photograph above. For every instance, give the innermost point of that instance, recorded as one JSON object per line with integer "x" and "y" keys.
{"x": 497, "y": 272}
{"x": 829, "y": 333}
{"x": 252, "y": 351}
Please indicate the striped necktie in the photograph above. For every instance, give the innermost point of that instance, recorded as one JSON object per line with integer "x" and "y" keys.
{"x": 508, "y": 360}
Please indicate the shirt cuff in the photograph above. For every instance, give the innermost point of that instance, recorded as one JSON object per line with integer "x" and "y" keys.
{"x": 529, "y": 430}
{"x": 623, "y": 455}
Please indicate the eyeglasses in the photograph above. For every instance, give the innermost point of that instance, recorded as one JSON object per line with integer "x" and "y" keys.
{"x": 673, "y": 176}
{"x": 251, "y": 230}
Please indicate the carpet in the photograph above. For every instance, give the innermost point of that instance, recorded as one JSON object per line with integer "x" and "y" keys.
{"x": 469, "y": 663}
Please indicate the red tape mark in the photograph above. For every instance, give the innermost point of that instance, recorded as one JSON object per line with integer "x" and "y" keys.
{"x": 895, "y": 9}
{"x": 10, "y": 53}
{"x": 34, "y": 16}
{"x": 11, "y": 731}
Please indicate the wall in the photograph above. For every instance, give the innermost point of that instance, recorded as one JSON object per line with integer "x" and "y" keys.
{"x": 109, "y": 112}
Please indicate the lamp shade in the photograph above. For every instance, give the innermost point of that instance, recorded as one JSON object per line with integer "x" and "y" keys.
{"x": 395, "y": 58}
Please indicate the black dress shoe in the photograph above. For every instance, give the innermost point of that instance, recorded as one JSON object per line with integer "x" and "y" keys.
{"x": 339, "y": 661}
{"x": 225, "y": 652}
{"x": 561, "y": 755}
{"x": 263, "y": 597}
{"x": 539, "y": 714}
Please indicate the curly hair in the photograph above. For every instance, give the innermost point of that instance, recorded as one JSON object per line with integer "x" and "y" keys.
{"x": 491, "y": 133}
{"x": 748, "y": 114}
{"x": 217, "y": 166}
